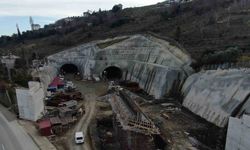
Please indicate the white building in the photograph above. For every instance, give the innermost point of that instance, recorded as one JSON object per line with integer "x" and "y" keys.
{"x": 9, "y": 62}
{"x": 30, "y": 101}
{"x": 35, "y": 27}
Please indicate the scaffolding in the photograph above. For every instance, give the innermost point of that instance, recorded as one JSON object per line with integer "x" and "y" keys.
{"x": 129, "y": 114}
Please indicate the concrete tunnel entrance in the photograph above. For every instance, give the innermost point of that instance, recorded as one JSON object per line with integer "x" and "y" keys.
{"x": 112, "y": 73}
{"x": 69, "y": 69}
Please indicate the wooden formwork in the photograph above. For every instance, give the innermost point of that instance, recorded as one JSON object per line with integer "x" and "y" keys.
{"x": 131, "y": 120}
{"x": 128, "y": 139}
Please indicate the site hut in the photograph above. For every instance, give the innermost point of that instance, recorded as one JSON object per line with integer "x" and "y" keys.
{"x": 66, "y": 112}
{"x": 44, "y": 127}
{"x": 56, "y": 84}
{"x": 56, "y": 124}
{"x": 67, "y": 122}
{"x": 69, "y": 104}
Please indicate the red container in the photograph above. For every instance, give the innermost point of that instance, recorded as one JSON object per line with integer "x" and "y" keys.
{"x": 45, "y": 127}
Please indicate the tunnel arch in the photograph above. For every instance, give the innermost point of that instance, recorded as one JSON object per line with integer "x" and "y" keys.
{"x": 69, "y": 68}
{"x": 112, "y": 73}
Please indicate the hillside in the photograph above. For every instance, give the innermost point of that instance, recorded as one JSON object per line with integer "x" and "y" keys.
{"x": 200, "y": 26}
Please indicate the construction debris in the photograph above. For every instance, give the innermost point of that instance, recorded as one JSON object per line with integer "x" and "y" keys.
{"x": 63, "y": 107}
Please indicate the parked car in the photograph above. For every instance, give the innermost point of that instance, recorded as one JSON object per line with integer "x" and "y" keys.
{"x": 79, "y": 138}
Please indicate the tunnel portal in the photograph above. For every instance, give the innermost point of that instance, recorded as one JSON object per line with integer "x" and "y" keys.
{"x": 112, "y": 73}
{"x": 69, "y": 68}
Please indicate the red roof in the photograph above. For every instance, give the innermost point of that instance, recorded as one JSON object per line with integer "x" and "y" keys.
{"x": 3, "y": 85}
{"x": 57, "y": 81}
{"x": 44, "y": 124}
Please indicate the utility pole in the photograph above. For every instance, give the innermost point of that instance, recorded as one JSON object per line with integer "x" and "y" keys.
{"x": 229, "y": 16}
{"x": 18, "y": 31}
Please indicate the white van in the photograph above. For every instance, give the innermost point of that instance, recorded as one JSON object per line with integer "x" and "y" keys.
{"x": 79, "y": 137}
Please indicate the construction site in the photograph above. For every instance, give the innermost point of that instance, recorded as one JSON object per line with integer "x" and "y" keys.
{"x": 126, "y": 120}
{"x": 167, "y": 76}
{"x": 127, "y": 105}
{"x": 133, "y": 92}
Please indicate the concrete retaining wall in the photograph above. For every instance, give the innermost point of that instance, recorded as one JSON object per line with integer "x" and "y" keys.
{"x": 238, "y": 133}
{"x": 30, "y": 101}
{"x": 216, "y": 95}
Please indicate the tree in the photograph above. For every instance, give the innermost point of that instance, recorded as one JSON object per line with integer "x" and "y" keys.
{"x": 231, "y": 54}
{"x": 87, "y": 13}
{"x": 178, "y": 33}
{"x": 117, "y": 8}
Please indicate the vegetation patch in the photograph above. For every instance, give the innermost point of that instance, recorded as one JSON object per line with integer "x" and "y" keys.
{"x": 21, "y": 77}
{"x": 248, "y": 23}
{"x": 244, "y": 59}
{"x": 231, "y": 54}
{"x": 120, "y": 22}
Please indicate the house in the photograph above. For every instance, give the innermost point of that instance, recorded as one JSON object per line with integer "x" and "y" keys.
{"x": 35, "y": 27}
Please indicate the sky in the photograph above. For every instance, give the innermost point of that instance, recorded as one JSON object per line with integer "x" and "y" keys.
{"x": 48, "y": 11}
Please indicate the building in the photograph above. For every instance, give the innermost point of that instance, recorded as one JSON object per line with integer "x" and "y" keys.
{"x": 68, "y": 19}
{"x": 44, "y": 127}
{"x": 33, "y": 25}
{"x": 55, "y": 85}
{"x": 30, "y": 101}
{"x": 9, "y": 61}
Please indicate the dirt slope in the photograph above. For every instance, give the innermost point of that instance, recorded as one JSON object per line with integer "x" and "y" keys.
{"x": 199, "y": 26}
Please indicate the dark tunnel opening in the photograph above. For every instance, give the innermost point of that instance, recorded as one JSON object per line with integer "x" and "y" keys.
{"x": 69, "y": 69}
{"x": 112, "y": 73}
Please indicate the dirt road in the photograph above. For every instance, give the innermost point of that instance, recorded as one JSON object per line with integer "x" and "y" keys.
{"x": 84, "y": 123}
{"x": 90, "y": 91}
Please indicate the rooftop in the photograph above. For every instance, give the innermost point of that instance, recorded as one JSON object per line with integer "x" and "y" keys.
{"x": 44, "y": 124}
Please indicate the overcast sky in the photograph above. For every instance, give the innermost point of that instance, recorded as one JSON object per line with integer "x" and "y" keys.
{"x": 48, "y": 11}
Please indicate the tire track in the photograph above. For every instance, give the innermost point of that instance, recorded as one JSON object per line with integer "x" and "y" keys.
{"x": 84, "y": 123}
{"x": 90, "y": 93}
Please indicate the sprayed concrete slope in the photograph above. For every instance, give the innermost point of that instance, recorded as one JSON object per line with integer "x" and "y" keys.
{"x": 238, "y": 133}
{"x": 217, "y": 94}
{"x": 155, "y": 64}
